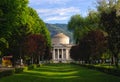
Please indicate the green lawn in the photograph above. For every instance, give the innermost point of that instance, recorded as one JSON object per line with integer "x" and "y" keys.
{"x": 61, "y": 73}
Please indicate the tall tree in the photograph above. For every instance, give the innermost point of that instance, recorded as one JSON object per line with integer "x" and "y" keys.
{"x": 93, "y": 45}
{"x": 82, "y": 25}
{"x": 76, "y": 24}
{"x": 74, "y": 53}
{"x": 39, "y": 28}
{"x": 17, "y": 21}
{"x": 13, "y": 19}
{"x": 110, "y": 22}
{"x": 35, "y": 46}
{"x": 3, "y": 46}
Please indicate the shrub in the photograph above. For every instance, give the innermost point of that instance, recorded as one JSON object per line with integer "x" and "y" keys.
{"x": 25, "y": 68}
{"x": 10, "y": 72}
{"x": 39, "y": 65}
{"x": 33, "y": 66}
{"x": 111, "y": 71}
{"x": 19, "y": 70}
{"x": 6, "y": 73}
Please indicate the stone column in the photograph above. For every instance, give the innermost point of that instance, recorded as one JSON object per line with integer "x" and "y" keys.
{"x": 58, "y": 54}
{"x": 53, "y": 54}
{"x": 62, "y": 54}
{"x": 67, "y": 54}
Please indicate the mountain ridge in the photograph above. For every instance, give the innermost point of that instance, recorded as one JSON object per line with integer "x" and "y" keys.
{"x": 59, "y": 28}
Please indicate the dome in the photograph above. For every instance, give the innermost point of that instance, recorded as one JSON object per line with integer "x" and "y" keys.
{"x": 60, "y": 38}
{"x": 60, "y": 35}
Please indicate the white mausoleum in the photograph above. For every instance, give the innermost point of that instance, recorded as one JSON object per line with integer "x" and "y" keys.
{"x": 61, "y": 48}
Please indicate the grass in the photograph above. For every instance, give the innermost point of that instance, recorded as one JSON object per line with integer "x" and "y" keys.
{"x": 106, "y": 66}
{"x": 61, "y": 73}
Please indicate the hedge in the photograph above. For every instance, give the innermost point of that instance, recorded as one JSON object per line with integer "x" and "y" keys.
{"x": 112, "y": 71}
{"x": 6, "y": 73}
{"x": 33, "y": 66}
{"x": 19, "y": 70}
{"x": 10, "y": 72}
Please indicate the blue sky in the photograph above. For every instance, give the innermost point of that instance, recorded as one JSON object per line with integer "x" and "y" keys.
{"x": 60, "y": 11}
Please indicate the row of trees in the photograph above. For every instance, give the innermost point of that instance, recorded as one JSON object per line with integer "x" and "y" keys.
{"x": 19, "y": 24}
{"x": 90, "y": 48}
{"x": 97, "y": 33}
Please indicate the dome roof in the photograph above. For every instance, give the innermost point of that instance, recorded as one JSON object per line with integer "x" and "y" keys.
{"x": 60, "y": 35}
{"x": 60, "y": 38}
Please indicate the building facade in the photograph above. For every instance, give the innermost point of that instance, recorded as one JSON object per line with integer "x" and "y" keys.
{"x": 61, "y": 47}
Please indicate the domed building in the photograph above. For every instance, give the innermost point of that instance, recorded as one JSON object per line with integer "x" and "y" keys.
{"x": 61, "y": 47}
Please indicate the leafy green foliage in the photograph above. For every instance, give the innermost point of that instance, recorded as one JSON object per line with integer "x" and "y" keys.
{"x": 3, "y": 45}
{"x": 35, "y": 46}
{"x": 74, "y": 53}
{"x": 90, "y": 48}
{"x": 17, "y": 21}
{"x": 6, "y": 73}
{"x": 31, "y": 67}
{"x": 75, "y": 24}
{"x": 82, "y": 25}
{"x": 111, "y": 71}
{"x": 110, "y": 22}
{"x": 19, "y": 70}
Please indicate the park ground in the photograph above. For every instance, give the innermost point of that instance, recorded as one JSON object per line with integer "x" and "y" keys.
{"x": 61, "y": 73}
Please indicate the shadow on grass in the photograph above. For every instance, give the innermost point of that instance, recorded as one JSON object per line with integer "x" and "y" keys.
{"x": 61, "y": 73}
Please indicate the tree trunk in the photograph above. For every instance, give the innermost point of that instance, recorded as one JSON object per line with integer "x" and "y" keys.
{"x": 116, "y": 61}
{"x": 13, "y": 61}
{"x": 112, "y": 60}
{"x": 39, "y": 59}
{"x": 32, "y": 59}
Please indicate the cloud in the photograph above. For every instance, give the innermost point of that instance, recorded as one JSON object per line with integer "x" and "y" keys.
{"x": 56, "y": 18}
{"x": 57, "y": 2}
{"x": 60, "y": 10}
{"x": 58, "y": 13}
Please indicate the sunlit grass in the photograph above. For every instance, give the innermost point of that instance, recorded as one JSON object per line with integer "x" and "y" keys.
{"x": 61, "y": 73}
{"x": 106, "y": 66}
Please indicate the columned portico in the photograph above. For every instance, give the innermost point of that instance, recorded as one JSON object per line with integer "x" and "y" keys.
{"x": 61, "y": 47}
{"x": 59, "y": 54}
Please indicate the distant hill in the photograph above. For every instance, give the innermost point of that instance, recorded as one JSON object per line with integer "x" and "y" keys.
{"x": 59, "y": 28}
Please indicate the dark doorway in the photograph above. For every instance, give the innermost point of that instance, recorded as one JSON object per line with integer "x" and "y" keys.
{"x": 60, "y": 56}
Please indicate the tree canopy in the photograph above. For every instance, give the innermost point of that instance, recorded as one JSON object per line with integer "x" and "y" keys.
{"x": 18, "y": 21}
{"x": 105, "y": 19}
{"x": 110, "y": 22}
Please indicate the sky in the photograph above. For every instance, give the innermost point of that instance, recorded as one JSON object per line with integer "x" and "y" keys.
{"x": 60, "y": 11}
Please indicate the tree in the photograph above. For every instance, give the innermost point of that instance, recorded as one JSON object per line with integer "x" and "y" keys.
{"x": 3, "y": 46}
{"x": 75, "y": 24}
{"x": 38, "y": 26}
{"x": 93, "y": 45}
{"x": 17, "y": 21}
{"x": 74, "y": 53}
{"x": 84, "y": 49}
{"x": 11, "y": 12}
{"x": 13, "y": 24}
{"x": 92, "y": 20}
{"x": 35, "y": 46}
{"x": 110, "y": 22}
{"x": 82, "y": 25}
